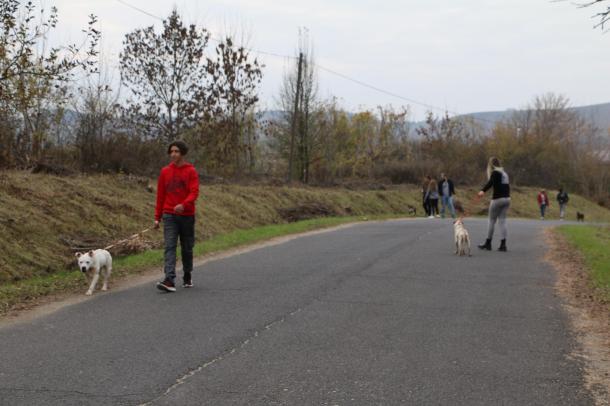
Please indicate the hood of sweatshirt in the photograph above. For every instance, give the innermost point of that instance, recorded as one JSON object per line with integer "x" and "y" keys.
{"x": 181, "y": 167}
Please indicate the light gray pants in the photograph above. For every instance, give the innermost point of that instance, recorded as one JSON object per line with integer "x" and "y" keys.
{"x": 497, "y": 212}
{"x": 562, "y": 210}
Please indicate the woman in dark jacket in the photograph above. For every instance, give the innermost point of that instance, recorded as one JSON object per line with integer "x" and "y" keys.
{"x": 500, "y": 202}
{"x": 425, "y": 199}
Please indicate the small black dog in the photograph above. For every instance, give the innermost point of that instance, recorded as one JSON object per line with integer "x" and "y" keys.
{"x": 580, "y": 216}
{"x": 411, "y": 210}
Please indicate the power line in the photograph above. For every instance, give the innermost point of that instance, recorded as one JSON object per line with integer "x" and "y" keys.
{"x": 140, "y": 10}
{"x": 211, "y": 37}
{"x": 412, "y": 101}
{"x": 341, "y": 75}
{"x": 361, "y": 83}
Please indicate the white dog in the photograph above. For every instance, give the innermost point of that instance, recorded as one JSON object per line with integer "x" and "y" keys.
{"x": 92, "y": 262}
{"x": 462, "y": 239}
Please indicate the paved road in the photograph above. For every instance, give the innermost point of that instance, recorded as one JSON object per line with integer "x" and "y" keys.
{"x": 375, "y": 314}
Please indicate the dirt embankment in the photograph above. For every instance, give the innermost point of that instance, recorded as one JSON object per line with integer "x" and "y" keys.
{"x": 588, "y": 312}
{"x": 45, "y": 218}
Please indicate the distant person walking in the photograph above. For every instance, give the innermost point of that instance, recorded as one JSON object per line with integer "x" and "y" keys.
{"x": 446, "y": 190}
{"x": 562, "y": 200}
{"x": 177, "y": 191}
{"x": 543, "y": 202}
{"x": 433, "y": 198}
{"x": 424, "y": 188}
{"x": 500, "y": 202}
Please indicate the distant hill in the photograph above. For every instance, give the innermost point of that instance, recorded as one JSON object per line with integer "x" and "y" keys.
{"x": 598, "y": 114}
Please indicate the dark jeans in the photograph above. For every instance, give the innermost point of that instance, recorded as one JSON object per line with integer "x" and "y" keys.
{"x": 433, "y": 206}
{"x": 175, "y": 227}
{"x": 426, "y": 204}
{"x": 542, "y": 209}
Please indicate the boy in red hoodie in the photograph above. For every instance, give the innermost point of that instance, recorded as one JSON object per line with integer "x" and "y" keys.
{"x": 177, "y": 191}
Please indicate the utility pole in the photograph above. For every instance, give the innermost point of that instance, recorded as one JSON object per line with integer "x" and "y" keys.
{"x": 294, "y": 117}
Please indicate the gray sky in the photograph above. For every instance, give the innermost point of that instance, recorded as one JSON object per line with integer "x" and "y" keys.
{"x": 462, "y": 55}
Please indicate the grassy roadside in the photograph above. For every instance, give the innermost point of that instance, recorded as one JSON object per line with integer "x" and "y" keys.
{"x": 594, "y": 244}
{"x": 45, "y": 219}
{"x": 22, "y": 294}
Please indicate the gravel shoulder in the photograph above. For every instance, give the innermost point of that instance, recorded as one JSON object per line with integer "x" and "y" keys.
{"x": 589, "y": 317}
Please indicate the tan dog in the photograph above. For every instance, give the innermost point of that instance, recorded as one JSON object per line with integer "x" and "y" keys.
{"x": 462, "y": 239}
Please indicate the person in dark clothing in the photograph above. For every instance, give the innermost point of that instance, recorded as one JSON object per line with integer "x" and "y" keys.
{"x": 500, "y": 202}
{"x": 433, "y": 199}
{"x": 562, "y": 199}
{"x": 177, "y": 191}
{"x": 425, "y": 200}
{"x": 446, "y": 190}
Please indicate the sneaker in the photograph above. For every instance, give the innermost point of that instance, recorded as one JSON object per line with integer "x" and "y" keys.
{"x": 430, "y": 217}
{"x": 187, "y": 280}
{"x": 166, "y": 286}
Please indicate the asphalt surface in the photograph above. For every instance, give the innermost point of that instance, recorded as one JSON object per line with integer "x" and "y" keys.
{"x": 374, "y": 314}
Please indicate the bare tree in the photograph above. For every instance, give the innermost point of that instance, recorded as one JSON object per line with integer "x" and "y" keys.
{"x": 96, "y": 105}
{"x": 548, "y": 143}
{"x": 298, "y": 100}
{"x": 168, "y": 75}
{"x": 603, "y": 15}
{"x": 33, "y": 77}
{"x": 236, "y": 77}
{"x": 451, "y": 141}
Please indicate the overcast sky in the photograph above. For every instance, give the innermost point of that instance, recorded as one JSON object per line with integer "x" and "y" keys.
{"x": 460, "y": 55}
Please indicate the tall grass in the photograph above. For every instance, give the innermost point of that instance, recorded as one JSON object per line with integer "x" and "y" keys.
{"x": 594, "y": 243}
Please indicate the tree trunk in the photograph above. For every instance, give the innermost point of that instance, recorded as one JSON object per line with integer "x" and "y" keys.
{"x": 294, "y": 117}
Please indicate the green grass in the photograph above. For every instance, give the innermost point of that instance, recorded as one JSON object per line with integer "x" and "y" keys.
{"x": 21, "y": 293}
{"x": 594, "y": 243}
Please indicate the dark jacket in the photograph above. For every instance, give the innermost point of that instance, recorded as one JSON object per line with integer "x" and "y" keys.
{"x": 500, "y": 183}
{"x": 562, "y": 197}
{"x": 440, "y": 187}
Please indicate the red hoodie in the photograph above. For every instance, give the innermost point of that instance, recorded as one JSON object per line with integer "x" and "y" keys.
{"x": 177, "y": 185}
{"x": 543, "y": 198}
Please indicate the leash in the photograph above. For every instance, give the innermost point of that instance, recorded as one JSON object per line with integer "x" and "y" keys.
{"x": 123, "y": 241}
{"x": 473, "y": 202}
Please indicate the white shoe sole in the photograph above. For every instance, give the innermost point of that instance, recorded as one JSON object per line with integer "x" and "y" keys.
{"x": 164, "y": 288}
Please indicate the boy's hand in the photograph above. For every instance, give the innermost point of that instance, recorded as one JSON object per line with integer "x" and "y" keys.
{"x": 179, "y": 209}
{"x": 481, "y": 193}
{"x": 156, "y": 226}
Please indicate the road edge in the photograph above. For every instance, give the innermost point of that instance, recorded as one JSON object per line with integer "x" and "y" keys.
{"x": 588, "y": 319}
{"x": 50, "y": 304}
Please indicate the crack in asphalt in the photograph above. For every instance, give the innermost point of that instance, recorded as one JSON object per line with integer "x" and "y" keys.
{"x": 336, "y": 284}
{"x": 343, "y": 276}
{"x": 182, "y": 380}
